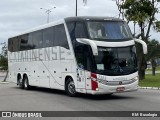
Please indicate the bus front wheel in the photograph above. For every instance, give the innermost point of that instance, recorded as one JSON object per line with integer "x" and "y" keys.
{"x": 70, "y": 87}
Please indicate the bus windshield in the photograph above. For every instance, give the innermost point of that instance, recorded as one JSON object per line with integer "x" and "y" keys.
{"x": 116, "y": 61}
{"x": 109, "y": 30}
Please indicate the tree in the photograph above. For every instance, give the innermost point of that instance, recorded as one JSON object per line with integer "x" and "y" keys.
{"x": 153, "y": 53}
{"x": 141, "y": 13}
{"x": 4, "y": 60}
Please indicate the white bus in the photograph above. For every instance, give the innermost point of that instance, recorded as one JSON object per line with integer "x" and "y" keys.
{"x": 93, "y": 55}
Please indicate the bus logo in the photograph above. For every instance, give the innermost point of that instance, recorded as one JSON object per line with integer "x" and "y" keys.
{"x": 120, "y": 83}
{"x": 6, "y": 114}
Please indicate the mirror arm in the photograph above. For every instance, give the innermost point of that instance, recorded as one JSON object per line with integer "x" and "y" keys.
{"x": 89, "y": 42}
{"x": 144, "y": 45}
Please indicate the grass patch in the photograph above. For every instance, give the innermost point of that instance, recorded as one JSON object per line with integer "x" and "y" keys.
{"x": 150, "y": 81}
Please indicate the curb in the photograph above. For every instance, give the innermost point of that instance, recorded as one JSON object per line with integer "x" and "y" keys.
{"x": 4, "y": 82}
{"x": 152, "y": 88}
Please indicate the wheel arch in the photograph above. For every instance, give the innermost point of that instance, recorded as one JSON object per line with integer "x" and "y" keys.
{"x": 66, "y": 78}
{"x": 18, "y": 77}
{"x": 69, "y": 76}
{"x": 25, "y": 75}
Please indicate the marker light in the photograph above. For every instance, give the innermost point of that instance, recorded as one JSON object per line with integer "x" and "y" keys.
{"x": 94, "y": 83}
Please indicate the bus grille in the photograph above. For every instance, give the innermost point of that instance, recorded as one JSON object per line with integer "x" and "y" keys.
{"x": 114, "y": 83}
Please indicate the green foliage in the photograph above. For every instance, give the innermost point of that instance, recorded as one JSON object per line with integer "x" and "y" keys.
{"x": 142, "y": 13}
{"x": 3, "y": 58}
{"x": 153, "y": 53}
{"x": 157, "y": 26}
{"x": 153, "y": 49}
{"x": 150, "y": 81}
{"x": 138, "y": 10}
{"x": 3, "y": 63}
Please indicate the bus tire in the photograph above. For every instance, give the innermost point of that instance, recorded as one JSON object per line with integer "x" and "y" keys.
{"x": 26, "y": 83}
{"x": 20, "y": 83}
{"x": 70, "y": 87}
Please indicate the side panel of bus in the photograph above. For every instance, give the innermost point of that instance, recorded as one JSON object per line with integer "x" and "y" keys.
{"x": 45, "y": 67}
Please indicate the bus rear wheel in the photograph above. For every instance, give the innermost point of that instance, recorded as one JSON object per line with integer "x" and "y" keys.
{"x": 26, "y": 83}
{"x": 70, "y": 87}
{"x": 20, "y": 83}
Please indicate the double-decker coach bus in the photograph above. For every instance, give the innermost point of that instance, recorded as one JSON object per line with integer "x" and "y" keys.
{"x": 93, "y": 55}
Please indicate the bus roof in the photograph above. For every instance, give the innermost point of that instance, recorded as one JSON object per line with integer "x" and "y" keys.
{"x": 40, "y": 27}
{"x": 91, "y": 18}
{"x": 68, "y": 19}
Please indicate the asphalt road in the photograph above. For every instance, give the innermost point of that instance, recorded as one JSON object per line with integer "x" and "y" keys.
{"x": 13, "y": 98}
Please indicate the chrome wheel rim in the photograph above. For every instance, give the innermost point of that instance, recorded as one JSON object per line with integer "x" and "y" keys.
{"x": 25, "y": 83}
{"x": 71, "y": 87}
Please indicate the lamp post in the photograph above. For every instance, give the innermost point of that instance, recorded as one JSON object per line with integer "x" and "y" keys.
{"x": 84, "y": 1}
{"x": 76, "y": 7}
{"x": 48, "y": 11}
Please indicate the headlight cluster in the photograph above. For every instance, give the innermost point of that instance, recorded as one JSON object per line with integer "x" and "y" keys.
{"x": 135, "y": 79}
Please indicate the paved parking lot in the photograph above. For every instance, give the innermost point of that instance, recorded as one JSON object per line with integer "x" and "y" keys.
{"x": 13, "y": 98}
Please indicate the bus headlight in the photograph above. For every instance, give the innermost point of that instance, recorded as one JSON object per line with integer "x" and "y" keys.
{"x": 135, "y": 79}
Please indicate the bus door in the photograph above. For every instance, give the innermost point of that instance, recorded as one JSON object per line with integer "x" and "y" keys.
{"x": 84, "y": 62}
{"x": 81, "y": 62}
{"x": 81, "y": 80}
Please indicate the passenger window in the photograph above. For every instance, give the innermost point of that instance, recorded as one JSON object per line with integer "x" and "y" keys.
{"x": 37, "y": 39}
{"x": 16, "y": 44}
{"x": 48, "y": 37}
{"x": 10, "y": 45}
{"x": 80, "y": 31}
{"x": 26, "y": 42}
{"x": 60, "y": 37}
{"x": 76, "y": 30}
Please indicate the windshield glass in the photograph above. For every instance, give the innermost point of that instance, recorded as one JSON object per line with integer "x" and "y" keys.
{"x": 110, "y": 30}
{"x": 116, "y": 61}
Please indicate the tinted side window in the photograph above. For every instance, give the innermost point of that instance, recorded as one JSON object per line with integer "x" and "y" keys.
{"x": 48, "y": 37}
{"x": 71, "y": 28}
{"x": 60, "y": 37}
{"x": 15, "y": 44}
{"x": 37, "y": 39}
{"x": 80, "y": 31}
{"x": 26, "y": 42}
{"x": 76, "y": 30}
{"x": 10, "y": 45}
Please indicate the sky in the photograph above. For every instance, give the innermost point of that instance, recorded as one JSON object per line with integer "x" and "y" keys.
{"x": 17, "y": 16}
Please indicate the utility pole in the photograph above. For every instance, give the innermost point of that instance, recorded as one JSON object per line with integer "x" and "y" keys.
{"x": 76, "y": 7}
{"x": 84, "y": 1}
{"x": 48, "y": 11}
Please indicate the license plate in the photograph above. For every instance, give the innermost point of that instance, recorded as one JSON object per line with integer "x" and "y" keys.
{"x": 120, "y": 89}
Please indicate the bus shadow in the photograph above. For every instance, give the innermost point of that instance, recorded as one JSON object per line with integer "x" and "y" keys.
{"x": 104, "y": 97}
{"x": 80, "y": 95}
{"x": 48, "y": 90}
{"x": 43, "y": 90}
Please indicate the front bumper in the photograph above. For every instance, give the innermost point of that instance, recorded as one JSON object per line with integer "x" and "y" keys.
{"x": 106, "y": 89}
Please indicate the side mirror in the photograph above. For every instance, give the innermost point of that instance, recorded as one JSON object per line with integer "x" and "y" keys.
{"x": 89, "y": 42}
{"x": 144, "y": 45}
